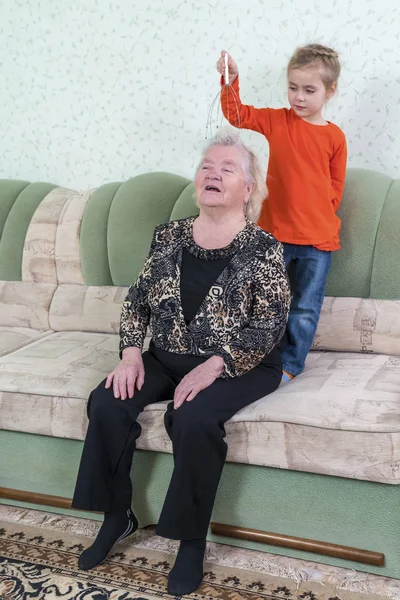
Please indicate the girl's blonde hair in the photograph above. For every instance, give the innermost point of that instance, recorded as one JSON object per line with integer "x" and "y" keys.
{"x": 319, "y": 56}
{"x": 251, "y": 167}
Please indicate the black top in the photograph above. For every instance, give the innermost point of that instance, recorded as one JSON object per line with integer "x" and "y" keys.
{"x": 198, "y": 274}
{"x": 197, "y": 277}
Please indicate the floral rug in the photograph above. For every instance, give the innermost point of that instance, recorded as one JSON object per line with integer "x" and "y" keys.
{"x": 39, "y": 562}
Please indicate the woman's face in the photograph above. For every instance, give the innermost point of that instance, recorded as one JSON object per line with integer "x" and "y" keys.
{"x": 220, "y": 181}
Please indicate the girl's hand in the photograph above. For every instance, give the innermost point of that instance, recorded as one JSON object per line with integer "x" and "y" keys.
{"x": 198, "y": 379}
{"x": 128, "y": 375}
{"x": 232, "y": 67}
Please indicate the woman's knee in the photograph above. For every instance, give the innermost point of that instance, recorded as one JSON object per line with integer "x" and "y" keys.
{"x": 101, "y": 400}
{"x": 191, "y": 420}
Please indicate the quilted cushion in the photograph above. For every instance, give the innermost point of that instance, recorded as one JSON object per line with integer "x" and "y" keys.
{"x": 87, "y": 308}
{"x": 340, "y": 417}
{"x": 25, "y": 304}
{"x": 12, "y": 338}
{"x": 359, "y": 325}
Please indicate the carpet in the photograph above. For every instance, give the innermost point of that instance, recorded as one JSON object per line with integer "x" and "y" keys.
{"x": 41, "y": 563}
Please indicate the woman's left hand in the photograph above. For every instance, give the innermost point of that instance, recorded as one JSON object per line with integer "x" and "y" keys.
{"x": 198, "y": 379}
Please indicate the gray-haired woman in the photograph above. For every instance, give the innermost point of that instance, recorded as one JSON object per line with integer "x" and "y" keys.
{"x": 215, "y": 293}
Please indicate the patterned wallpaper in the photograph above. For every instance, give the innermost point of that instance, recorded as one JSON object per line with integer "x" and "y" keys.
{"x": 96, "y": 91}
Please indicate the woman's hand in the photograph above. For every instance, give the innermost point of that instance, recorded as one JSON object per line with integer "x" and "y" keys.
{"x": 198, "y": 379}
{"x": 128, "y": 375}
{"x": 232, "y": 67}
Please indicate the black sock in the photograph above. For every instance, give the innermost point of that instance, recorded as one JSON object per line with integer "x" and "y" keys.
{"x": 187, "y": 573}
{"x": 116, "y": 527}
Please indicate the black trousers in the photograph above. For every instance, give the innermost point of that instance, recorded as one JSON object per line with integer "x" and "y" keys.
{"x": 196, "y": 430}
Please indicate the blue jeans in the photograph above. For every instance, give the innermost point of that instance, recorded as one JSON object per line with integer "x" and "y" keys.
{"x": 308, "y": 269}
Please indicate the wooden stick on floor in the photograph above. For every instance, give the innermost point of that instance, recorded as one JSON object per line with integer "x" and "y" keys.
{"x": 35, "y": 498}
{"x": 253, "y": 535}
{"x": 287, "y": 541}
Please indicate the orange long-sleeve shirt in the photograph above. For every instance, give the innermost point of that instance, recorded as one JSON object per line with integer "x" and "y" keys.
{"x": 306, "y": 172}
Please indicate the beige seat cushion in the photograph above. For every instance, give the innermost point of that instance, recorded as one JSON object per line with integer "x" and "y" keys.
{"x": 12, "y": 338}
{"x": 65, "y": 364}
{"x": 341, "y": 417}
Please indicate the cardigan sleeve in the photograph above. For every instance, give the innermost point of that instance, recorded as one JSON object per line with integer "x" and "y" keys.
{"x": 269, "y": 313}
{"x": 135, "y": 315}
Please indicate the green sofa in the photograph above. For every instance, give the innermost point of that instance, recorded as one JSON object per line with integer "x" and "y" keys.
{"x": 319, "y": 459}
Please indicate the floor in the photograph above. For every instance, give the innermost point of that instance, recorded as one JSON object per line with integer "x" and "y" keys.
{"x": 297, "y": 570}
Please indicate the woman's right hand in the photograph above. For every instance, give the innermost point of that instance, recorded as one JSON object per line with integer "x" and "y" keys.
{"x": 128, "y": 375}
{"x": 232, "y": 67}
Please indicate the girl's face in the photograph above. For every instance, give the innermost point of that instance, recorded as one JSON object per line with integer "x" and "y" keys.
{"x": 307, "y": 93}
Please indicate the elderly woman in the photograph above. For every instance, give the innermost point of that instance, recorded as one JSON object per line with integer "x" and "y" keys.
{"x": 215, "y": 293}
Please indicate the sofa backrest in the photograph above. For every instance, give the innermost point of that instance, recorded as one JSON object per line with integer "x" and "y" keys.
{"x": 118, "y": 224}
{"x": 59, "y": 239}
{"x": 366, "y": 266}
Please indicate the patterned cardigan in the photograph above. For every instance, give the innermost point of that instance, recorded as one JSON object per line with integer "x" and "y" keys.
{"x": 241, "y": 319}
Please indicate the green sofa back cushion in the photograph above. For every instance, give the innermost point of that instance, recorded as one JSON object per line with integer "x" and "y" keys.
{"x": 385, "y": 280}
{"x": 93, "y": 240}
{"x": 360, "y": 211}
{"x": 19, "y": 201}
{"x": 118, "y": 225}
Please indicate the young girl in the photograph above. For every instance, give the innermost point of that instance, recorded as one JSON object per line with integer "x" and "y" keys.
{"x": 306, "y": 173}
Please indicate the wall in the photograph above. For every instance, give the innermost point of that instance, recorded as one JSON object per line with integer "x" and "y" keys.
{"x": 94, "y": 91}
